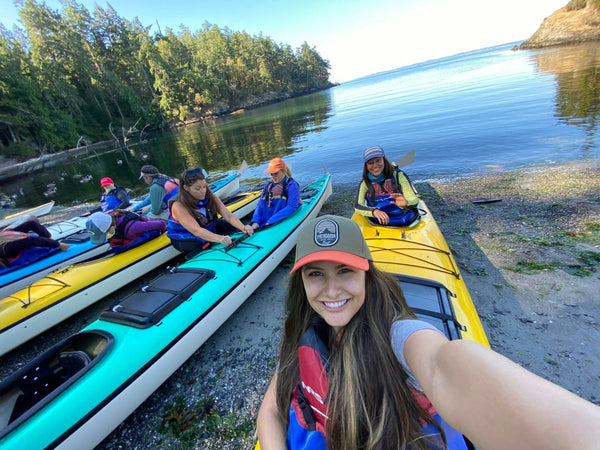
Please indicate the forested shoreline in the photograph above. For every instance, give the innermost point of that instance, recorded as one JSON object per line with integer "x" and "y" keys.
{"x": 73, "y": 77}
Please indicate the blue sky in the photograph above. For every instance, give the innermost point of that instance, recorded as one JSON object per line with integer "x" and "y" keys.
{"x": 358, "y": 37}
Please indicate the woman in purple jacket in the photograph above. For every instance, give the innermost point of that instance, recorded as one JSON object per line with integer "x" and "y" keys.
{"x": 121, "y": 228}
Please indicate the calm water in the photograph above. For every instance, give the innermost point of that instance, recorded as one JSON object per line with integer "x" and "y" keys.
{"x": 462, "y": 114}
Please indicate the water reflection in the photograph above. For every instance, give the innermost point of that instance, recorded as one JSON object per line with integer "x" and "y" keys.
{"x": 218, "y": 145}
{"x": 577, "y": 71}
{"x": 461, "y": 114}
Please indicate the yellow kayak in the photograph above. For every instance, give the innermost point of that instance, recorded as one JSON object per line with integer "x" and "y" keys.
{"x": 65, "y": 292}
{"x": 420, "y": 257}
{"x": 421, "y": 260}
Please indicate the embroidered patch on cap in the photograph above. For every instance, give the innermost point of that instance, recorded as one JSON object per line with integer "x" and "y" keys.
{"x": 327, "y": 233}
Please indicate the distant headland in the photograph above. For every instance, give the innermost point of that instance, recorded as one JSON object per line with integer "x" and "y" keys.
{"x": 578, "y": 21}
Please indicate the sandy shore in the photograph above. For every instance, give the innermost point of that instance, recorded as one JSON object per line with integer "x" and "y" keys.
{"x": 530, "y": 262}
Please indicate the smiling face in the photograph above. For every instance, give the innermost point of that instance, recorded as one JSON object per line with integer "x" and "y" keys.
{"x": 278, "y": 177}
{"x": 375, "y": 166}
{"x": 197, "y": 189}
{"x": 335, "y": 291}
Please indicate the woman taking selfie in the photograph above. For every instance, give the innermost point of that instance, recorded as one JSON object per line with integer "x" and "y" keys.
{"x": 357, "y": 370}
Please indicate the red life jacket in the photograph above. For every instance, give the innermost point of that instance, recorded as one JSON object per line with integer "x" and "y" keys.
{"x": 377, "y": 192}
{"x": 308, "y": 408}
{"x": 378, "y": 195}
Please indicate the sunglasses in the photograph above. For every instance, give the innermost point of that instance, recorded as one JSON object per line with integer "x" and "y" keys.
{"x": 191, "y": 175}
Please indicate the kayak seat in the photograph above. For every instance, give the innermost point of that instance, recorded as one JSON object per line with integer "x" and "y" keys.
{"x": 308, "y": 193}
{"x": 431, "y": 302}
{"x": 71, "y": 362}
{"x": 47, "y": 377}
{"x": 151, "y": 303}
{"x": 30, "y": 388}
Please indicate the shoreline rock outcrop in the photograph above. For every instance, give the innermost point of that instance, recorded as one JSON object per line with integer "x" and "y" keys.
{"x": 578, "y": 21}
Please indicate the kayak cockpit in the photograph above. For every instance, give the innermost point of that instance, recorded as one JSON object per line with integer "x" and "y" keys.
{"x": 431, "y": 302}
{"x": 29, "y": 389}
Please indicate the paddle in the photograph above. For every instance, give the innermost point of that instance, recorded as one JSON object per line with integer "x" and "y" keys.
{"x": 407, "y": 159}
{"x": 236, "y": 241}
{"x": 243, "y": 168}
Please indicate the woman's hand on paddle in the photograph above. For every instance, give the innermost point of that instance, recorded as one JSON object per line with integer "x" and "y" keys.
{"x": 225, "y": 240}
{"x": 381, "y": 217}
{"x": 399, "y": 200}
{"x": 248, "y": 230}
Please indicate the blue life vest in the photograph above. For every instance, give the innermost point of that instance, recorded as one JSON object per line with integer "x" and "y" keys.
{"x": 378, "y": 196}
{"x": 27, "y": 256}
{"x": 178, "y": 232}
{"x": 308, "y": 408}
{"x": 273, "y": 199}
{"x": 110, "y": 200}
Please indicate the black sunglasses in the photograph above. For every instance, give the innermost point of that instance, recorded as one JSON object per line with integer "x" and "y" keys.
{"x": 194, "y": 174}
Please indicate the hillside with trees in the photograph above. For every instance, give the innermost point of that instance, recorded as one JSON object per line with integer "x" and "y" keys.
{"x": 74, "y": 77}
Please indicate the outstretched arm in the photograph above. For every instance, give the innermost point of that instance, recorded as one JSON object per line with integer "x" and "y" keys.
{"x": 257, "y": 217}
{"x": 232, "y": 218}
{"x": 181, "y": 215}
{"x": 494, "y": 401}
{"x": 270, "y": 427}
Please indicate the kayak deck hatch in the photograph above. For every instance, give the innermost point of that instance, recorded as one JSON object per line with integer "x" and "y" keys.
{"x": 31, "y": 388}
{"x": 148, "y": 305}
{"x": 430, "y": 301}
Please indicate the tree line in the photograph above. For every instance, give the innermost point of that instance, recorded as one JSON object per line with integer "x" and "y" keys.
{"x": 72, "y": 77}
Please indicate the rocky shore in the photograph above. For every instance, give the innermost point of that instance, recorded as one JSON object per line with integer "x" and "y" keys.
{"x": 530, "y": 262}
{"x": 578, "y": 21}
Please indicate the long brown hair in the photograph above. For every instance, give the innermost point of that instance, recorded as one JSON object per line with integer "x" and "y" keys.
{"x": 187, "y": 178}
{"x": 369, "y": 404}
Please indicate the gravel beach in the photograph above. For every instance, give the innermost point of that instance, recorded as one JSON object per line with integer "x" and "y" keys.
{"x": 530, "y": 262}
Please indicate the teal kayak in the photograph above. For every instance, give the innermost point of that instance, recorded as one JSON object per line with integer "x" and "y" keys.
{"x": 76, "y": 393}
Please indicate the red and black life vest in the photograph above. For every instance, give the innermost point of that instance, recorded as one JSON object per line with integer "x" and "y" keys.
{"x": 120, "y": 243}
{"x": 376, "y": 190}
{"x": 308, "y": 407}
{"x": 271, "y": 190}
{"x": 378, "y": 195}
